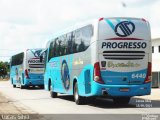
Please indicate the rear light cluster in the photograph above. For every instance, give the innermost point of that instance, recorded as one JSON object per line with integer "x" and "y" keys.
{"x": 26, "y": 74}
{"x": 100, "y": 19}
{"x": 148, "y": 76}
{"x": 97, "y": 75}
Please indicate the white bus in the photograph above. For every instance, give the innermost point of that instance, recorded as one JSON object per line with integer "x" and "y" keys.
{"x": 104, "y": 57}
{"x": 26, "y": 69}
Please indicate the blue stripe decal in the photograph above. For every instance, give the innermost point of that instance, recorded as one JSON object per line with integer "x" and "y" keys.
{"x": 129, "y": 19}
{"x": 118, "y": 20}
{"x": 110, "y": 23}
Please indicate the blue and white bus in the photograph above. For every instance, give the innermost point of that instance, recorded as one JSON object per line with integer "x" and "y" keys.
{"x": 26, "y": 69}
{"x": 104, "y": 57}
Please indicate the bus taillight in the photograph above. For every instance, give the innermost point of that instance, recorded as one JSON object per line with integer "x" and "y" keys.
{"x": 100, "y": 19}
{"x": 26, "y": 74}
{"x": 97, "y": 74}
{"x": 148, "y": 76}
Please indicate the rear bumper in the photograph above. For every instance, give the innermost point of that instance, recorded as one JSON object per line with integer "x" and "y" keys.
{"x": 33, "y": 82}
{"x": 114, "y": 90}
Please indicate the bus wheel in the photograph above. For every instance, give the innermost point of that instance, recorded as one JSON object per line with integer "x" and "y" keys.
{"x": 121, "y": 100}
{"x": 52, "y": 93}
{"x": 79, "y": 100}
{"x": 14, "y": 86}
{"x": 22, "y": 87}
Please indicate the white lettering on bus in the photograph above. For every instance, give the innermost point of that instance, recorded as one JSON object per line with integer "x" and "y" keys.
{"x": 33, "y": 61}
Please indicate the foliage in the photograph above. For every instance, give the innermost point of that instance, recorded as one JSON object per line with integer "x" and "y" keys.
{"x": 4, "y": 68}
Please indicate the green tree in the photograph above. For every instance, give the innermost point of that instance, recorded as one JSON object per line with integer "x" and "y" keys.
{"x": 3, "y": 68}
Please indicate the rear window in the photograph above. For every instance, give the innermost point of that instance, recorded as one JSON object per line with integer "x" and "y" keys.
{"x": 17, "y": 59}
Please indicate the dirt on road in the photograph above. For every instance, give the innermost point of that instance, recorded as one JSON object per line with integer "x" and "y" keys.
{"x": 7, "y": 107}
{"x": 8, "y": 110}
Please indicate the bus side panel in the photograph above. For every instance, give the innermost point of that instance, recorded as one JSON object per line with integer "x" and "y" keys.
{"x": 12, "y": 74}
{"x": 64, "y": 70}
{"x": 16, "y": 74}
{"x": 55, "y": 73}
{"x": 47, "y": 77}
{"x": 85, "y": 80}
{"x": 82, "y": 70}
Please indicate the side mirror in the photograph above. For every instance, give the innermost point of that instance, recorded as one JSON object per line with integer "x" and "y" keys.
{"x": 41, "y": 58}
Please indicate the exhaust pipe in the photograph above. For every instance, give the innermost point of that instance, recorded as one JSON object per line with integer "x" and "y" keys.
{"x": 104, "y": 93}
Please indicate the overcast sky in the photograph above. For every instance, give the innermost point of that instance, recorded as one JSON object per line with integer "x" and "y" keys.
{"x": 30, "y": 23}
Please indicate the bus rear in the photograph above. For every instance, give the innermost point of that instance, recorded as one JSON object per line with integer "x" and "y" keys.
{"x": 123, "y": 69}
{"x": 34, "y": 68}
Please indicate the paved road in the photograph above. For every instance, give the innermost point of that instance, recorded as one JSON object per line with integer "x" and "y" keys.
{"x": 39, "y": 101}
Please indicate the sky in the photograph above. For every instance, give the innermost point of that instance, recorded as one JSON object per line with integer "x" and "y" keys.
{"x": 28, "y": 24}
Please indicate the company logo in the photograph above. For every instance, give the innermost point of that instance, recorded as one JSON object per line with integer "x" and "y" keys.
{"x": 130, "y": 45}
{"x": 128, "y": 64}
{"x": 34, "y": 61}
{"x": 65, "y": 75}
{"x": 36, "y": 53}
{"x": 124, "y": 29}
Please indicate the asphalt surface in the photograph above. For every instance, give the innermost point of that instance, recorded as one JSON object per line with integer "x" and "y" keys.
{"x": 38, "y": 101}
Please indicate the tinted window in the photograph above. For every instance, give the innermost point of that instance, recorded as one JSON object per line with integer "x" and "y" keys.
{"x": 69, "y": 40}
{"x": 87, "y": 33}
{"x": 45, "y": 59}
{"x": 17, "y": 59}
{"x": 73, "y": 42}
{"x": 51, "y": 50}
{"x": 63, "y": 45}
{"x": 83, "y": 38}
{"x": 152, "y": 49}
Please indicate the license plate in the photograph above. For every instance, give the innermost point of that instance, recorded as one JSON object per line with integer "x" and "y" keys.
{"x": 124, "y": 89}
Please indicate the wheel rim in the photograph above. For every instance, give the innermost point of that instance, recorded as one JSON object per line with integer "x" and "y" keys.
{"x": 76, "y": 94}
{"x": 50, "y": 88}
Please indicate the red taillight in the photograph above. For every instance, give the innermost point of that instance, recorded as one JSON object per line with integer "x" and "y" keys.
{"x": 97, "y": 74}
{"x": 26, "y": 74}
{"x": 100, "y": 19}
{"x": 148, "y": 76}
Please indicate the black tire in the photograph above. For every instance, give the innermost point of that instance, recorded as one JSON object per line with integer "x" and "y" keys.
{"x": 79, "y": 100}
{"x": 91, "y": 100}
{"x": 14, "y": 86}
{"x": 52, "y": 93}
{"x": 22, "y": 87}
{"x": 121, "y": 100}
